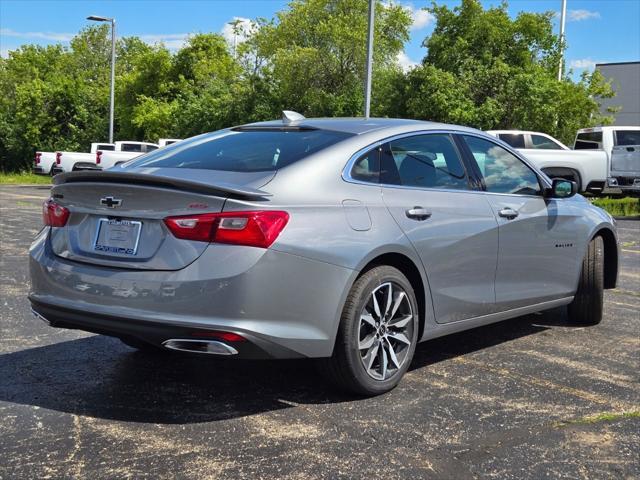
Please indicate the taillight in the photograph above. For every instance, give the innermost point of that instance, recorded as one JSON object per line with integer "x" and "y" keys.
{"x": 255, "y": 229}
{"x": 58, "y": 157}
{"x": 37, "y": 158}
{"x": 54, "y": 215}
{"x": 98, "y": 157}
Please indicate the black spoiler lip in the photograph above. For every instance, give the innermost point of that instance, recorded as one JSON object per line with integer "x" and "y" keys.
{"x": 131, "y": 178}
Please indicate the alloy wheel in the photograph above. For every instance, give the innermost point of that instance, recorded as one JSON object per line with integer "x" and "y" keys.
{"x": 386, "y": 330}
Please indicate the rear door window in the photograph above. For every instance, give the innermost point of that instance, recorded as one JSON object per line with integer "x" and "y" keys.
{"x": 540, "y": 142}
{"x": 243, "y": 149}
{"x": 131, "y": 147}
{"x": 627, "y": 137}
{"x": 427, "y": 161}
{"x": 515, "y": 140}
{"x": 588, "y": 141}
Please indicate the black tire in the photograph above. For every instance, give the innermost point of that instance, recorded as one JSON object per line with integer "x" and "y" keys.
{"x": 141, "y": 345}
{"x": 586, "y": 307}
{"x": 345, "y": 368}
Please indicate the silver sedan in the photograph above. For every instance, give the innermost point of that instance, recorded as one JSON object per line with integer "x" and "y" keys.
{"x": 345, "y": 240}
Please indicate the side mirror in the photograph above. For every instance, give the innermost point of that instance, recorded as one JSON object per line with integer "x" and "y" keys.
{"x": 561, "y": 188}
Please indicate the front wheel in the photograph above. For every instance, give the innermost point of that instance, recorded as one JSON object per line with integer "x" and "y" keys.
{"x": 377, "y": 335}
{"x": 586, "y": 307}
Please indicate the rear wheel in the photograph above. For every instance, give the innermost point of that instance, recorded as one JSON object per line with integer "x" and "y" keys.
{"x": 377, "y": 335}
{"x": 586, "y": 307}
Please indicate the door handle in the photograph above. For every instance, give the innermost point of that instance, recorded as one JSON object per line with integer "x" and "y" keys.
{"x": 418, "y": 213}
{"x": 509, "y": 213}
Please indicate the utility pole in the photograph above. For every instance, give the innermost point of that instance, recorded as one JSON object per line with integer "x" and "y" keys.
{"x": 563, "y": 14}
{"x": 367, "y": 84}
{"x": 235, "y": 24}
{"x": 97, "y": 18}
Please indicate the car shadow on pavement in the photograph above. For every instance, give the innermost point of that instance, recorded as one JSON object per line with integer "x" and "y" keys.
{"x": 99, "y": 377}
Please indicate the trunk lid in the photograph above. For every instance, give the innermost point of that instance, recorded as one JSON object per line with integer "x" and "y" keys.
{"x": 117, "y": 217}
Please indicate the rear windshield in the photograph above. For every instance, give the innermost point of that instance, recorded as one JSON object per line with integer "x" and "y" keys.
{"x": 242, "y": 151}
{"x": 106, "y": 147}
{"x": 588, "y": 141}
{"x": 627, "y": 137}
{"x": 131, "y": 147}
{"x": 513, "y": 139}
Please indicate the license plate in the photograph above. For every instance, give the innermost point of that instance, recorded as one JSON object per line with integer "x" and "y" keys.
{"x": 118, "y": 237}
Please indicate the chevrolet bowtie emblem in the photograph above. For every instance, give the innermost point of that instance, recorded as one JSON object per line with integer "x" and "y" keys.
{"x": 110, "y": 202}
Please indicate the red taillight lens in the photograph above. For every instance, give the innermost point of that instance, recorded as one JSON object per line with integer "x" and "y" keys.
{"x": 98, "y": 157}
{"x": 54, "y": 215}
{"x": 254, "y": 229}
{"x": 37, "y": 158}
{"x": 58, "y": 157}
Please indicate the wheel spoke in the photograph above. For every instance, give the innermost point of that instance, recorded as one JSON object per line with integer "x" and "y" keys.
{"x": 401, "y": 322}
{"x": 384, "y": 363}
{"x": 367, "y": 342}
{"x": 399, "y": 336}
{"x": 371, "y": 355}
{"x": 387, "y": 307}
{"x": 401, "y": 296}
{"x": 392, "y": 354}
{"x": 376, "y": 307}
{"x": 368, "y": 318}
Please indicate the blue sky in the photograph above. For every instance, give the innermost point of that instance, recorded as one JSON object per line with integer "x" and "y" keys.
{"x": 597, "y": 31}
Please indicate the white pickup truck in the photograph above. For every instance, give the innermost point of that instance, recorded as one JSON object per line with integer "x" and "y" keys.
{"x": 71, "y": 161}
{"x": 622, "y": 147}
{"x": 124, "y": 152}
{"x": 587, "y": 168}
{"x": 44, "y": 163}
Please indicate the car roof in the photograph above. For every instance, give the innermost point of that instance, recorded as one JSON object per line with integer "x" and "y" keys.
{"x": 519, "y": 132}
{"x": 355, "y": 126}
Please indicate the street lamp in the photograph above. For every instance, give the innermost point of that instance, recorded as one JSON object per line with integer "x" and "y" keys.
{"x": 563, "y": 14}
{"x": 367, "y": 82}
{"x": 97, "y": 18}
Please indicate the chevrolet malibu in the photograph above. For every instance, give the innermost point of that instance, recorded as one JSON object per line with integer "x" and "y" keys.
{"x": 345, "y": 240}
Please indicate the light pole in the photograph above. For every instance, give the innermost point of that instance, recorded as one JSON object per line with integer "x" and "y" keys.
{"x": 235, "y": 25}
{"x": 563, "y": 13}
{"x": 97, "y": 18}
{"x": 367, "y": 82}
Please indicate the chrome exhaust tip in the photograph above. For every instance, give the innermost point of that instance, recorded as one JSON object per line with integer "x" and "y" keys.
{"x": 211, "y": 347}
{"x": 40, "y": 317}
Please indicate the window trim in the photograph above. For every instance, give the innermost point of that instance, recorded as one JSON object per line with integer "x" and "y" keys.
{"x": 544, "y": 181}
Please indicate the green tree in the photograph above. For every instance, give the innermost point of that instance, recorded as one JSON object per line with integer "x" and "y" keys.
{"x": 487, "y": 70}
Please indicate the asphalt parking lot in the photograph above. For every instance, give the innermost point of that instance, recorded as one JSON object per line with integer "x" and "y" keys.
{"x": 528, "y": 398}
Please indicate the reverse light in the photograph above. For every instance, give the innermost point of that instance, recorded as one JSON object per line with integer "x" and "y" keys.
{"x": 54, "y": 215}
{"x": 258, "y": 228}
{"x": 58, "y": 158}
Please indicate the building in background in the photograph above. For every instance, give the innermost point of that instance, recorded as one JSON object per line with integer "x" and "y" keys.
{"x": 625, "y": 80}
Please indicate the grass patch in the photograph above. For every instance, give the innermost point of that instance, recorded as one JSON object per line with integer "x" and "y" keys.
{"x": 600, "y": 417}
{"x": 619, "y": 207}
{"x": 25, "y": 178}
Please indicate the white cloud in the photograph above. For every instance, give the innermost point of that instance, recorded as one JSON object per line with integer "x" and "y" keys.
{"x": 57, "y": 37}
{"x": 421, "y": 18}
{"x": 173, "y": 41}
{"x": 583, "y": 63}
{"x": 579, "y": 15}
{"x": 405, "y": 62}
{"x": 244, "y": 29}
{"x": 4, "y": 53}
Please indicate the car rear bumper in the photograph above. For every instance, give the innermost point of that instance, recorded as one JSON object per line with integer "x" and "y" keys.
{"x": 284, "y": 304}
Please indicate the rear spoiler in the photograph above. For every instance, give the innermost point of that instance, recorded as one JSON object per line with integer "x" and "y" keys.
{"x": 130, "y": 178}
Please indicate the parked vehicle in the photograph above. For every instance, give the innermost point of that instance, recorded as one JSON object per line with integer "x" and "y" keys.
{"x": 48, "y": 163}
{"x": 72, "y": 161}
{"x": 622, "y": 146}
{"x": 587, "y": 169}
{"x": 163, "y": 142}
{"x": 347, "y": 240}
{"x": 105, "y": 160}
